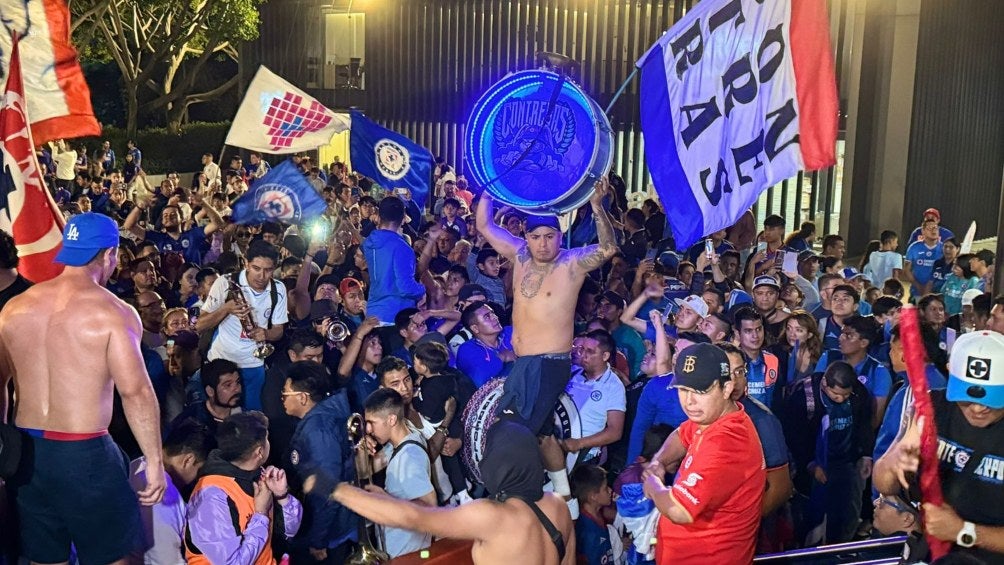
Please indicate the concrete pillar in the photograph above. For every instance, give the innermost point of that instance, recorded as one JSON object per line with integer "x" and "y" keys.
{"x": 880, "y": 111}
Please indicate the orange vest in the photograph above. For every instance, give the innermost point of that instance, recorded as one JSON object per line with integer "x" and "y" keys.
{"x": 245, "y": 509}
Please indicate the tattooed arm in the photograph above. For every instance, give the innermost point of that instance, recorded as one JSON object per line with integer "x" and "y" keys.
{"x": 593, "y": 257}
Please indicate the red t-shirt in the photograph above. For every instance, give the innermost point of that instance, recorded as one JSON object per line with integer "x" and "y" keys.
{"x": 720, "y": 484}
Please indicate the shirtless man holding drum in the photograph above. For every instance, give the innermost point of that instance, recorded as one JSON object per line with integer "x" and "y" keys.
{"x": 547, "y": 280}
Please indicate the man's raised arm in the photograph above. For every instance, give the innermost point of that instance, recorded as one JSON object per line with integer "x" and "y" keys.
{"x": 500, "y": 239}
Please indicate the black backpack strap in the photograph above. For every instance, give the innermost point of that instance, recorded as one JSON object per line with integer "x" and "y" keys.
{"x": 401, "y": 445}
{"x": 556, "y": 537}
{"x": 275, "y": 301}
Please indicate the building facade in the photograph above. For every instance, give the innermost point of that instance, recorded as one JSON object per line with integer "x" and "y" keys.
{"x": 920, "y": 82}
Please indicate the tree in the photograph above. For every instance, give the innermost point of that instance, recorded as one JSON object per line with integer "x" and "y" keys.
{"x": 162, "y": 46}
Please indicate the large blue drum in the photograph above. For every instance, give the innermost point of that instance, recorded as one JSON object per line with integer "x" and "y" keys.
{"x": 537, "y": 142}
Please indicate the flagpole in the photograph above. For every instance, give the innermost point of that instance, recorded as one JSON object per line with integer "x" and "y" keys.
{"x": 219, "y": 161}
{"x": 620, "y": 90}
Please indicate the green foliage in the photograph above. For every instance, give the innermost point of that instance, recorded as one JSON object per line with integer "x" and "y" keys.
{"x": 165, "y": 48}
{"x": 163, "y": 151}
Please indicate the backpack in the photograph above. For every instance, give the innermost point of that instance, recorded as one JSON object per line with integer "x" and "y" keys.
{"x": 207, "y": 337}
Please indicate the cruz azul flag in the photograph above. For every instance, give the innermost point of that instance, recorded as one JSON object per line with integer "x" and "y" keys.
{"x": 736, "y": 97}
{"x": 277, "y": 117}
{"x": 28, "y": 212}
{"x": 282, "y": 195}
{"x": 389, "y": 158}
{"x": 59, "y": 101}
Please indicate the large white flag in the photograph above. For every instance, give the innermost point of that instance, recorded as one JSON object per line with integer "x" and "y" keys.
{"x": 735, "y": 97}
{"x": 277, "y": 117}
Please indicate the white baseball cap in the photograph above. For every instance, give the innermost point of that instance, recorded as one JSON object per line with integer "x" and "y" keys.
{"x": 969, "y": 295}
{"x": 695, "y": 303}
{"x": 976, "y": 369}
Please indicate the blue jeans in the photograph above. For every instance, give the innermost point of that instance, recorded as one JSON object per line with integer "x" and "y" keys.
{"x": 252, "y": 381}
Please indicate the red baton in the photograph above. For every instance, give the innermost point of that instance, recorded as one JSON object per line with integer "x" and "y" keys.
{"x": 930, "y": 483}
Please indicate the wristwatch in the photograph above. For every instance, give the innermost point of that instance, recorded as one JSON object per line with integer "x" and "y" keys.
{"x": 967, "y": 535}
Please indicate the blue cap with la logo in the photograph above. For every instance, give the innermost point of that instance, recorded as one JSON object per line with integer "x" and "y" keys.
{"x": 84, "y": 236}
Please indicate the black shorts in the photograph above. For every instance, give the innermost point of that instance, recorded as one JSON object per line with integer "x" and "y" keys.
{"x": 76, "y": 492}
{"x": 532, "y": 389}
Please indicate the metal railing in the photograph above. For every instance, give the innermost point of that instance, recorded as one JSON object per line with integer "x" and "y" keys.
{"x": 872, "y": 552}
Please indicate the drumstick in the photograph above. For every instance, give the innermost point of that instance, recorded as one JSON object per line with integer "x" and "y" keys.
{"x": 930, "y": 483}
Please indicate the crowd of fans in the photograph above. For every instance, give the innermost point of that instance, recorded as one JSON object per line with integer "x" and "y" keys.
{"x": 261, "y": 341}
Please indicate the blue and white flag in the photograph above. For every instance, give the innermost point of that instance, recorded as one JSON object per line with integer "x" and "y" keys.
{"x": 736, "y": 97}
{"x": 389, "y": 158}
{"x": 282, "y": 195}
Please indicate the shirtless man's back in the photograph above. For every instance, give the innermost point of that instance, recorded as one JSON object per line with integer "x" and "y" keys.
{"x": 546, "y": 284}
{"x": 503, "y": 532}
{"x": 517, "y": 535}
{"x": 66, "y": 343}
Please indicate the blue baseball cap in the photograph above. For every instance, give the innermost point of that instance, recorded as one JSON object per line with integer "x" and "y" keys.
{"x": 533, "y": 222}
{"x": 669, "y": 260}
{"x": 84, "y": 236}
{"x": 976, "y": 369}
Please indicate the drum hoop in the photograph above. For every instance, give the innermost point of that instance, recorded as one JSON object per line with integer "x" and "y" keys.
{"x": 563, "y": 202}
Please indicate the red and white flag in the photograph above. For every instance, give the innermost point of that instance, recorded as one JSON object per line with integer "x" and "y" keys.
{"x": 59, "y": 101}
{"x": 277, "y": 117}
{"x": 27, "y": 210}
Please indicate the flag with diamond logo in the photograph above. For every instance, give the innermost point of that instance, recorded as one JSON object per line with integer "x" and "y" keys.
{"x": 276, "y": 117}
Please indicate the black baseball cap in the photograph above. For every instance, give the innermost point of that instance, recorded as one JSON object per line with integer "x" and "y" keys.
{"x": 469, "y": 290}
{"x": 534, "y": 221}
{"x": 321, "y": 309}
{"x": 699, "y": 366}
{"x": 614, "y": 298}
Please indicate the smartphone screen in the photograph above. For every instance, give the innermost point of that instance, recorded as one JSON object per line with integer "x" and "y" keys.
{"x": 761, "y": 247}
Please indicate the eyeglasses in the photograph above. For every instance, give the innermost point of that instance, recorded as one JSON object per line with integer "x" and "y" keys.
{"x": 878, "y": 502}
{"x": 740, "y": 372}
{"x": 292, "y": 393}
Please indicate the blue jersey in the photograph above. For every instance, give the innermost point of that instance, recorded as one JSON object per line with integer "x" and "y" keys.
{"x": 659, "y": 404}
{"x": 764, "y": 380}
{"x": 922, "y": 259}
{"x": 768, "y": 428}
{"x": 592, "y": 541}
{"x": 189, "y": 244}
{"x": 871, "y": 372}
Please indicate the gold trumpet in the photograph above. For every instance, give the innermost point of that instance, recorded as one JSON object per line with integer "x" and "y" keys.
{"x": 235, "y": 293}
{"x": 368, "y": 553}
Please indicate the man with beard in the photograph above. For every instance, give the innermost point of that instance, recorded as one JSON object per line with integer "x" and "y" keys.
{"x": 222, "y": 382}
{"x": 189, "y": 243}
{"x": 766, "y": 290}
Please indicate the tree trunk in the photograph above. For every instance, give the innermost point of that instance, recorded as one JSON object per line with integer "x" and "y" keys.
{"x": 132, "y": 110}
{"x": 175, "y": 116}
